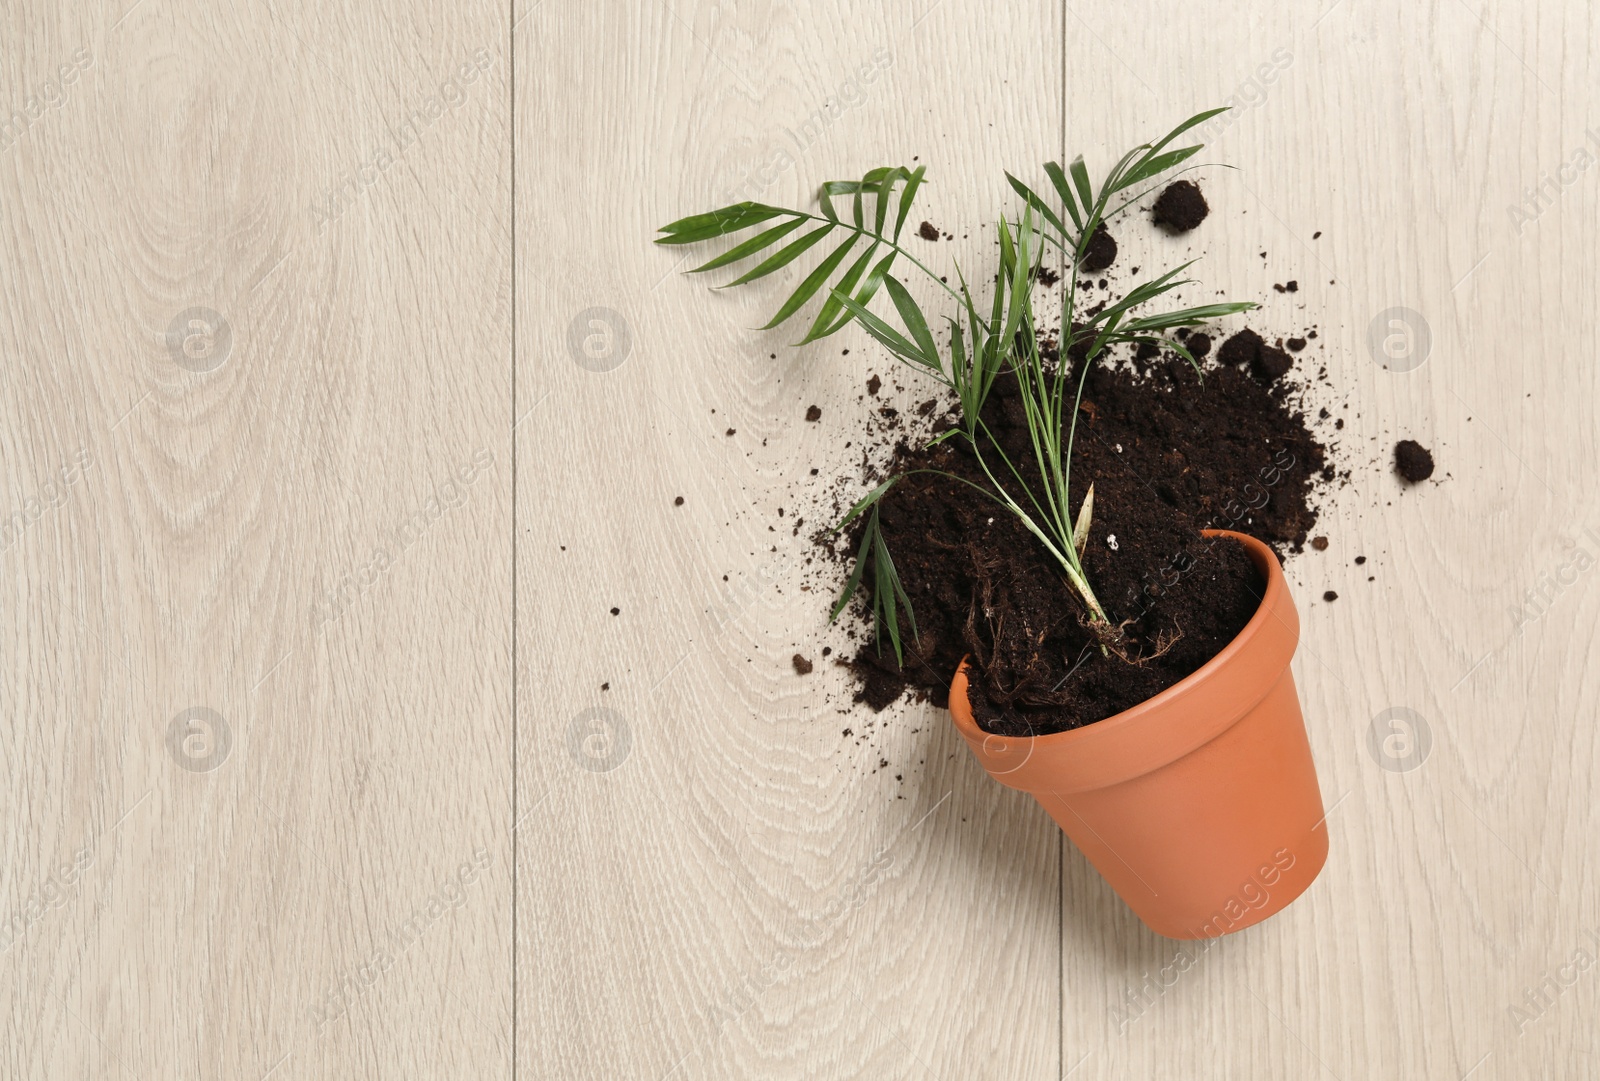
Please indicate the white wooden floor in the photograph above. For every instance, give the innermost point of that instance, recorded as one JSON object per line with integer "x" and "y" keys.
{"x": 343, "y": 398}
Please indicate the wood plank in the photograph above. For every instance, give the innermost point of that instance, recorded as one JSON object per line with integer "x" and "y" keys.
{"x": 1404, "y": 138}
{"x": 744, "y": 891}
{"x": 325, "y": 891}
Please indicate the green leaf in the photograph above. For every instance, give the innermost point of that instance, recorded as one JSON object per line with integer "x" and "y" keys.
{"x": 822, "y": 326}
{"x": 868, "y": 290}
{"x": 883, "y": 599}
{"x": 1142, "y": 293}
{"x": 887, "y": 600}
{"x": 881, "y": 203}
{"x": 1037, "y": 203}
{"x": 888, "y": 593}
{"x": 911, "y": 316}
{"x": 1021, "y": 268}
{"x": 1183, "y": 351}
{"x": 715, "y": 223}
{"x": 853, "y": 583}
{"x": 907, "y": 194}
{"x": 1008, "y": 250}
{"x": 1059, "y": 180}
{"x": 891, "y": 339}
{"x": 1080, "y": 180}
{"x": 761, "y": 240}
{"x": 1194, "y": 121}
{"x": 813, "y": 281}
{"x": 825, "y": 196}
{"x": 1188, "y": 317}
{"x": 998, "y": 311}
{"x": 958, "y": 354}
{"x": 784, "y": 256}
{"x": 1158, "y": 164}
{"x": 863, "y": 503}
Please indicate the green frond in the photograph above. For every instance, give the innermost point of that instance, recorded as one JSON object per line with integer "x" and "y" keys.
{"x": 862, "y": 234}
{"x": 885, "y": 188}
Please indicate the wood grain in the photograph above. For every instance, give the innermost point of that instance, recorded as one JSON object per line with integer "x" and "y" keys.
{"x": 746, "y": 893}
{"x": 324, "y": 890}
{"x": 1404, "y": 139}
{"x": 343, "y": 398}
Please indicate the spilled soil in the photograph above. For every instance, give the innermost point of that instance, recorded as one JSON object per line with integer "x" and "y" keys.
{"x": 1170, "y": 452}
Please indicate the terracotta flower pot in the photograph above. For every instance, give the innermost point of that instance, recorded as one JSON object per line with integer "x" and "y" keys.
{"x": 1200, "y": 806}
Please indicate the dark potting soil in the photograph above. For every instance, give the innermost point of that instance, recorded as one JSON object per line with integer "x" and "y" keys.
{"x": 1180, "y": 207}
{"x": 1169, "y": 455}
{"x": 1413, "y": 461}
{"x": 1101, "y": 252}
{"x": 1267, "y": 362}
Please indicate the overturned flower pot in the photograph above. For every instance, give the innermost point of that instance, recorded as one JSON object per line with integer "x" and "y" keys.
{"x": 1200, "y": 806}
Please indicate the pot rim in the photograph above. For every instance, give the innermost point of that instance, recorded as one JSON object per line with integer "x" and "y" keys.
{"x": 1194, "y": 711}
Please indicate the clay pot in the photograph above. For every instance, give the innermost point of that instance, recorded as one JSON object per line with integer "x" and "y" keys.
{"x": 1200, "y": 806}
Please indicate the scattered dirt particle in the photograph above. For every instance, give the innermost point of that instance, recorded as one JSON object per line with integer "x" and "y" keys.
{"x": 814, "y": 414}
{"x": 616, "y": 611}
{"x": 1296, "y": 344}
{"x": 1330, "y": 596}
{"x": 731, "y": 431}
{"x": 1320, "y": 543}
{"x": 1199, "y": 345}
{"x": 605, "y": 686}
{"x": 1101, "y": 252}
{"x": 1241, "y": 348}
{"x": 802, "y": 667}
{"x": 928, "y": 231}
{"x": 1360, "y": 560}
{"x": 1412, "y": 460}
{"x": 678, "y": 502}
{"x": 874, "y": 385}
{"x": 1180, "y": 207}
{"x": 1271, "y": 363}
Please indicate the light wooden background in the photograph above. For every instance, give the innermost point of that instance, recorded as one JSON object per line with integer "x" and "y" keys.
{"x": 377, "y": 526}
